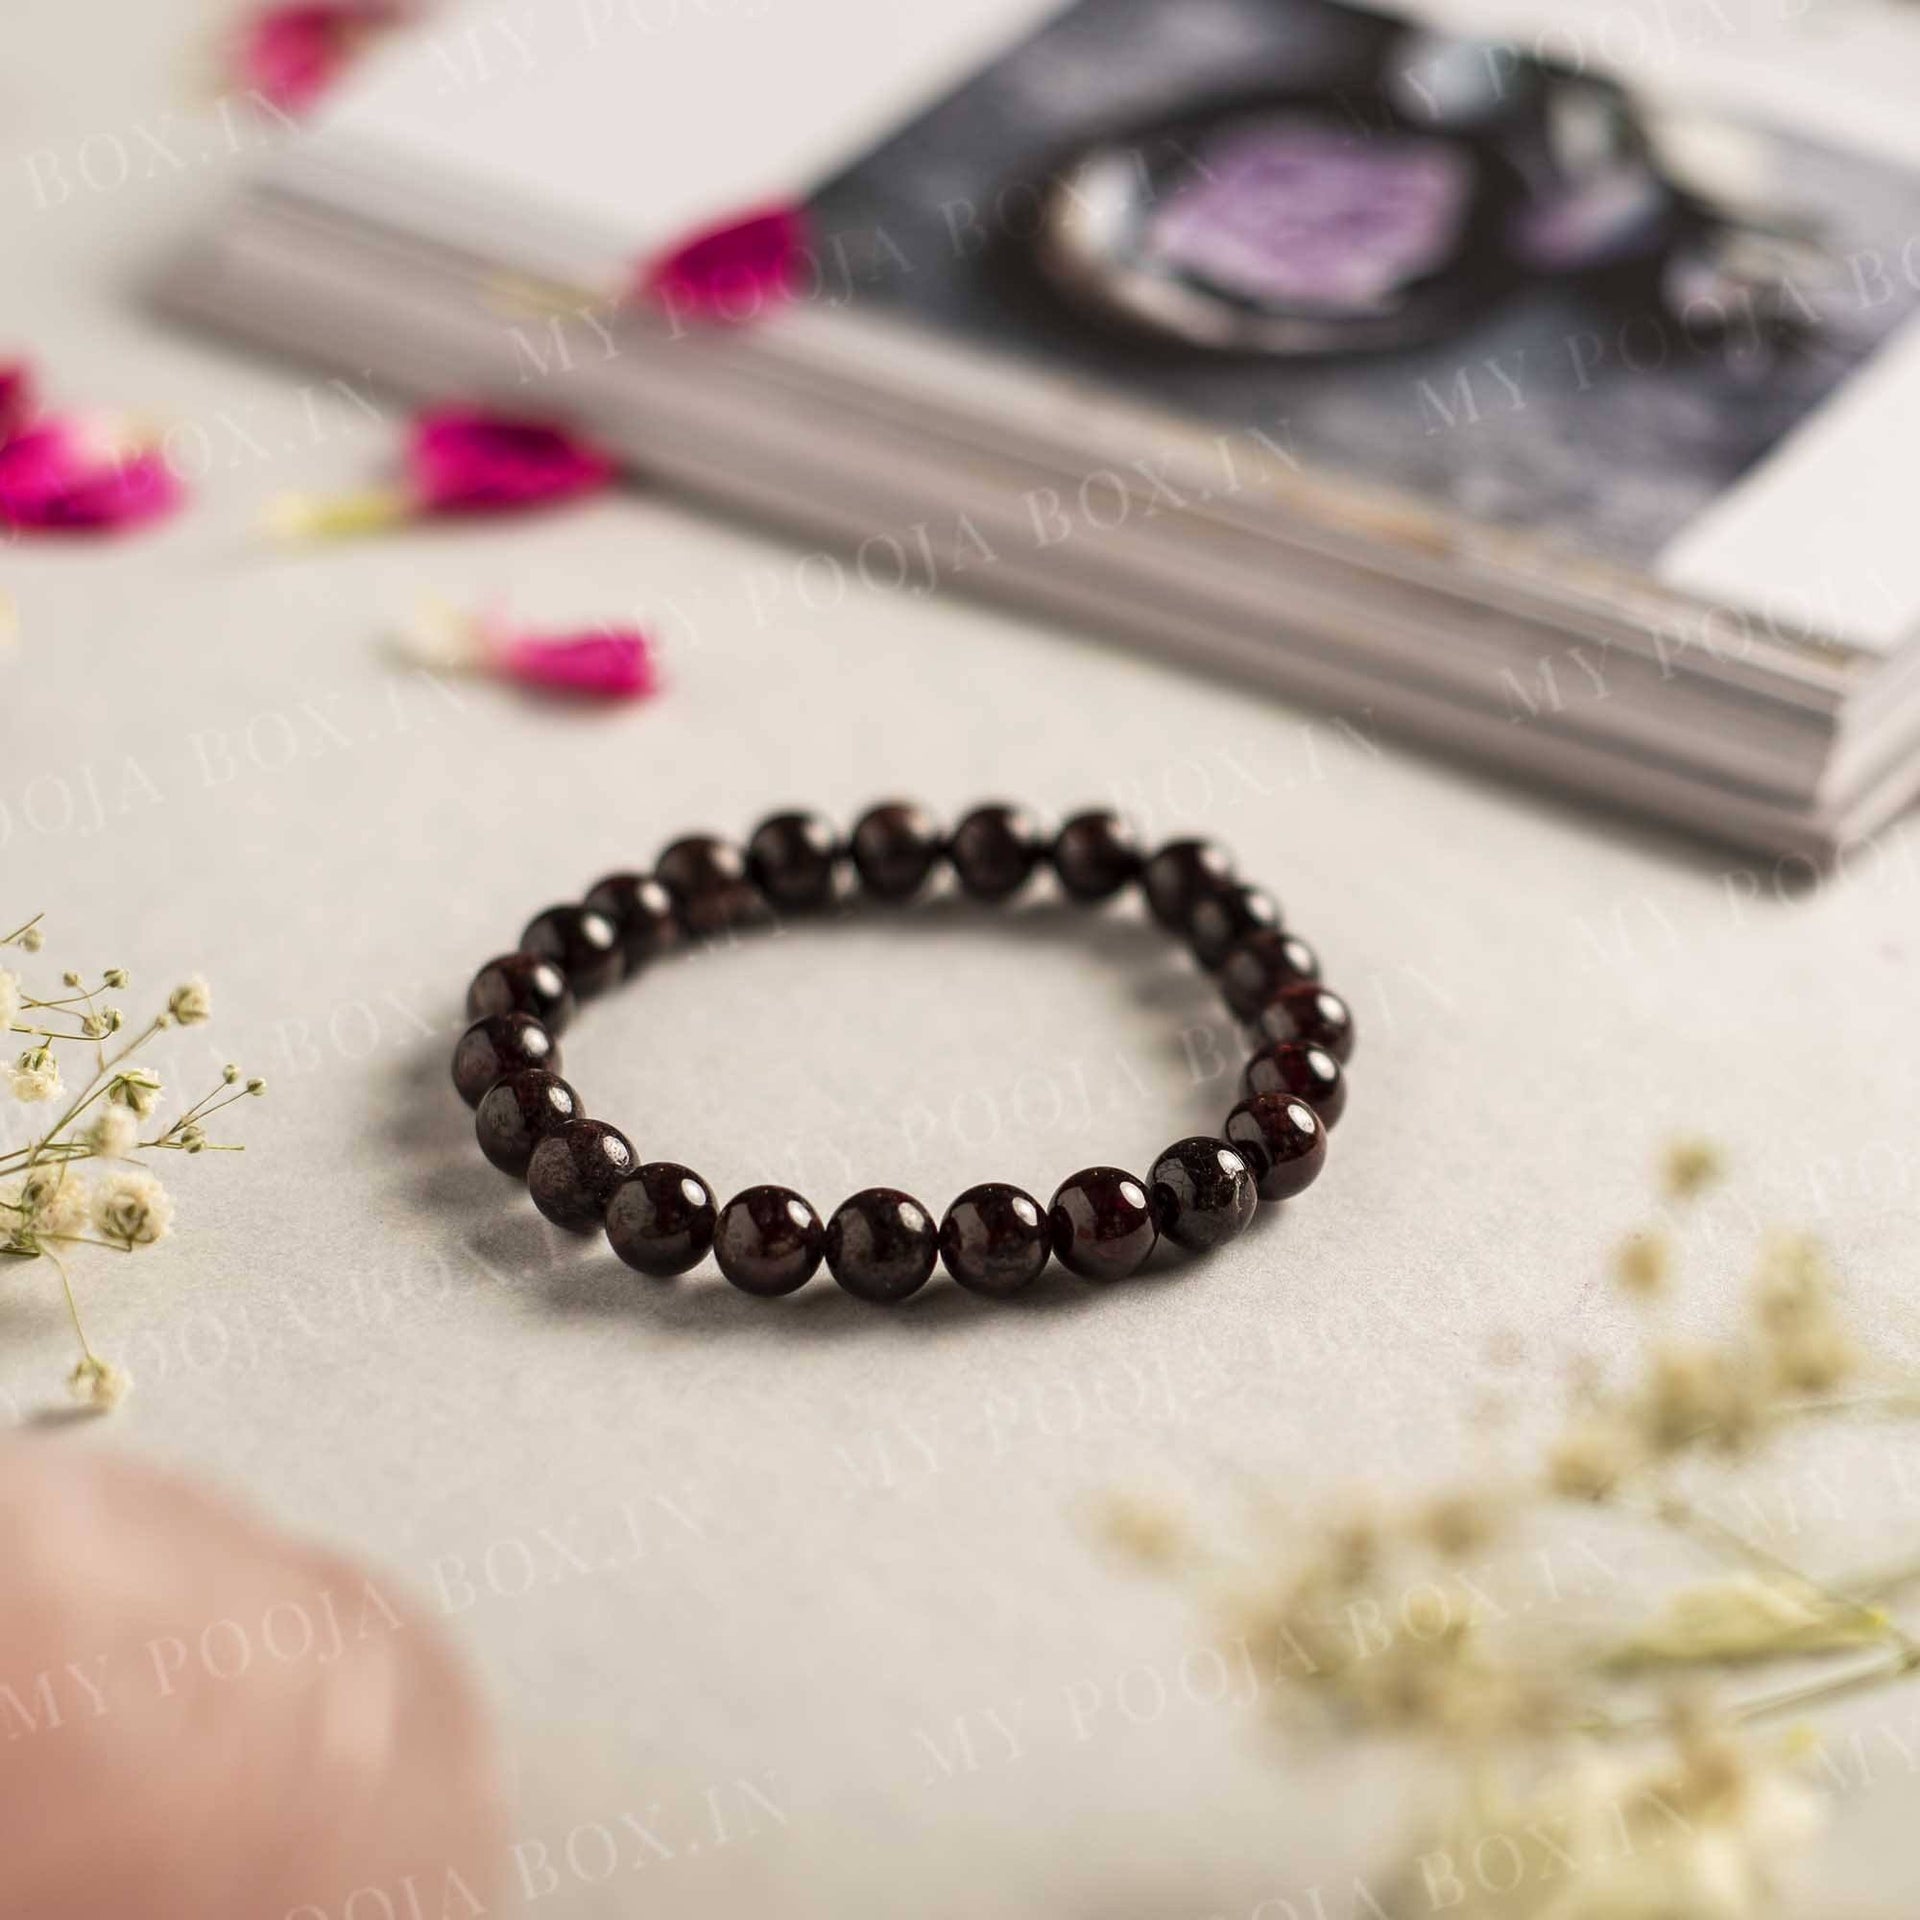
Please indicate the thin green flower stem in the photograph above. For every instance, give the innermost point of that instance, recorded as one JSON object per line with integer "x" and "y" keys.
{"x": 98, "y": 1084}
{"x": 7, "y": 939}
{"x": 73, "y": 1308}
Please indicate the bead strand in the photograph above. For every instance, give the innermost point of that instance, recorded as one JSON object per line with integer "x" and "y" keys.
{"x": 880, "y": 1244}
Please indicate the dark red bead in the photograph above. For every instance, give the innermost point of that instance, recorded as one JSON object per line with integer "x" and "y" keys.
{"x": 708, "y": 880}
{"x": 522, "y": 983}
{"x": 643, "y": 915}
{"x": 995, "y": 849}
{"x": 1282, "y": 1140}
{"x": 994, "y": 1239}
{"x": 1095, "y": 855}
{"x": 881, "y": 1245}
{"x": 501, "y": 1044}
{"x": 517, "y": 1113}
{"x": 895, "y": 846}
{"x": 768, "y": 1240}
{"x": 1203, "y": 1193}
{"x": 581, "y": 942}
{"x": 1302, "y": 1068}
{"x": 1178, "y": 875}
{"x": 1102, "y": 1224}
{"x": 575, "y": 1171}
{"x": 1227, "y": 915}
{"x": 660, "y": 1220}
{"x": 795, "y": 861}
{"x": 1259, "y": 966}
{"x": 1312, "y": 1013}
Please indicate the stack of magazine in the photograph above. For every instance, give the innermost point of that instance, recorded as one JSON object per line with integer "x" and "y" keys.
{"x": 1555, "y": 418}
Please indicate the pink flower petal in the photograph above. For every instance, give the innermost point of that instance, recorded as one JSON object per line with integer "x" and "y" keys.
{"x": 735, "y": 271}
{"x": 18, "y": 400}
{"x": 466, "y": 460}
{"x": 608, "y": 663}
{"x": 69, "y": 475}
{"x": 291, "y": 54}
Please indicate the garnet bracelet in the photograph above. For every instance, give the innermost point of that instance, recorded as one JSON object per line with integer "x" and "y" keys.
{"x": 881, "y": 1244}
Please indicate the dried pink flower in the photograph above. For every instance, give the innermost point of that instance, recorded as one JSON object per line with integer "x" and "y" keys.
{"x": 73, "y": 474}
{"x": 470, "y": 460}
{"x": 595, "y": 663}
{"x": 609, "y": 663}
{"x": 291, "y": 54}
{"x": 734, "y": 271}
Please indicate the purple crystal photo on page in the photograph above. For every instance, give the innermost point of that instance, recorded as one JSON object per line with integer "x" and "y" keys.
{"x": 1529, "y": 296}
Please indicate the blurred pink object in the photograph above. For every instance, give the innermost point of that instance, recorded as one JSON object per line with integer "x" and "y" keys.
{"x": 735, "y": 271}
{"x": 290, "y": 55}
{"x": 593, "y": 663}
{"x": 468, "y": 460}
{"x": 17, "y": 397}
{"x": 207, "y": 1720}
{"x": 609, "y": 663}
{"x": 69, "y": 473}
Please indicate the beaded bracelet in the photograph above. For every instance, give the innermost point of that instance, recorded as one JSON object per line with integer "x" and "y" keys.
{"x": 881, "y": 1244}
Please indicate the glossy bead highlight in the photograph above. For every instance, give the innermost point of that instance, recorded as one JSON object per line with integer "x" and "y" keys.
{"x": 768, "y": 1240}
{"x": 1178, "y": 875}
{"x": 501, "y": 1044}
{"x": 575, "y": 1171}
{"x": 1203, "y": 1193}
{"x": 1310, "y": 1013}
{"x": 661, "y": 1218}
{"x": 581, "y": 942}
{"x": 880, "y": 1245}
{"x": 643, "y": 915}
{"x": 995, "y": 1239}
{"x": 517, "y": 1113}
{"x": 1282, "y": 1140}
{"x": 795, "y": 861}
{"x": 522, "y": 983}
{"x": 1102, "y": 1224}
{"x": 1301, "y": 1068}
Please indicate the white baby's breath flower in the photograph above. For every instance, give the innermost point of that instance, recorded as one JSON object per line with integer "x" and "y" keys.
{"x": 191, "y": 1002}
{"x": 1589, "y": 1460}
{"x": 132, "y": 1209}
{"x": 99, "y": 1384}
{"x": 138, "y": 1088}
{"x": 54, "y": 1200}
{"x": 9, "y": 999}
{"x": 115, "y": 1131}
{"x": 35, "y": 1076}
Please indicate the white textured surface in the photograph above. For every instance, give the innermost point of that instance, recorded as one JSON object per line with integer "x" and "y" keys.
{"x": 852, "y": 1529}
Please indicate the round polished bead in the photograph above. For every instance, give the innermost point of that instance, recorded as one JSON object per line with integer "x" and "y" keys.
{"x": 1203, "y": 1193}
{"x": 522, "y": 983}
{"x": 581, "y": 942}
{"x": 994, "y": 1239}
{"x": 768, "y": 1240}
{"x": 501, "y": 1044}
{"x": 1227, "y": 915}
{"x": 1312, "y": 1013}
{"x": 1301, "y": 1068}
{"x": 661, "y": 1218}
{"x": 517, "y": 1113}
{"x": 575, "y": 1171}
{"x": 1282, "y": 1140}
{"x": 1261, "y": 965}
{"x": 1095, "y": 855}
{"x": 995, "y": 849}
{"x": 643, "y": 915}
{"x": 881, "y": 1245}
{"x": 794, "y": 859}
{"x": 708, "y": 880}
{"x": 895, "y": 846}
{"x": 1101, "y": 1224}
{"x": 1179, "y": 874}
